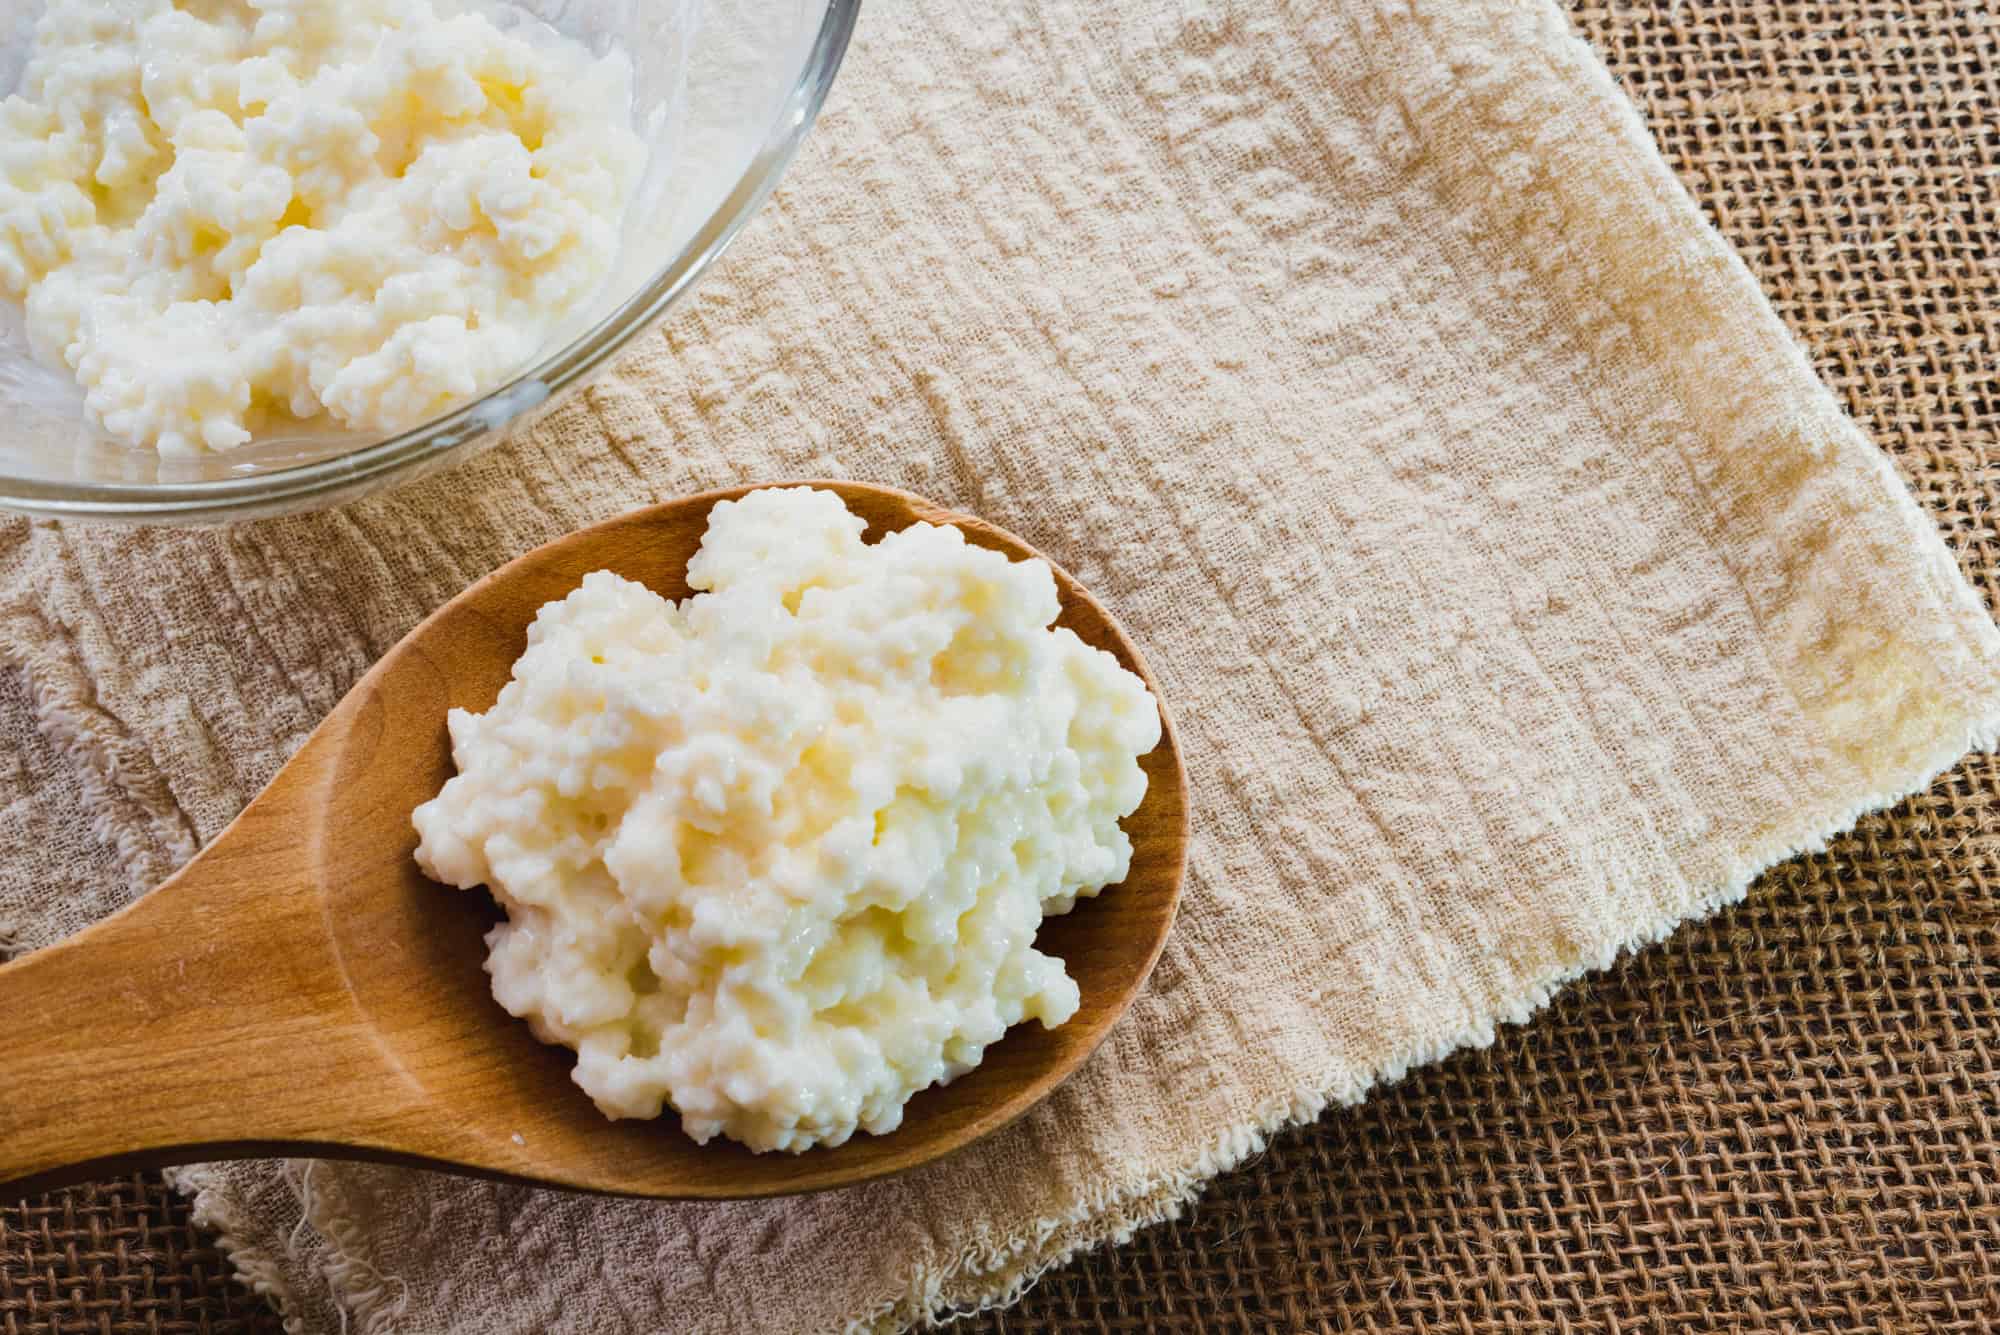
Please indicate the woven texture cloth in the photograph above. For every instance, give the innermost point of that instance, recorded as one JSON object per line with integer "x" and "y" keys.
{"x": 1856, "y": 692}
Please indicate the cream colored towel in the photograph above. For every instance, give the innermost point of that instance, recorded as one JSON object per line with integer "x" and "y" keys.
{"x": 1519, "y": 591}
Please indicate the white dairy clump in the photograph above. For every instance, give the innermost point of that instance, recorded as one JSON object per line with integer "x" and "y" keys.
{"x": 776, "y": 854}
{"x": 225, "y": 215}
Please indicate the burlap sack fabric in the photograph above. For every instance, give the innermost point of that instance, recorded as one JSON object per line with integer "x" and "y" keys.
{"x": 1601, "y": 1163}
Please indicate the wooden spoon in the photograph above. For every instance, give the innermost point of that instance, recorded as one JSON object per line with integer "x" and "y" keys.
{"x": 300, "y": 988}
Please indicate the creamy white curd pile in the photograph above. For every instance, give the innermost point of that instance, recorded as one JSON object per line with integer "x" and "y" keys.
{"x": 227, "y": 215}
{"x": 775, "y": 855}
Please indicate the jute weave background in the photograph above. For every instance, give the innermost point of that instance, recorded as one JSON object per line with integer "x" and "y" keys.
{"x": 1786, "y": 1118}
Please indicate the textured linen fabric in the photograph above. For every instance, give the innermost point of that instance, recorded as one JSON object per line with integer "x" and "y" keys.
{"x": 1518, "y": 590}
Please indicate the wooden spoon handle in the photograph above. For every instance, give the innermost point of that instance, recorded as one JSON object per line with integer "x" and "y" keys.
{"x": 210, "y": 1014}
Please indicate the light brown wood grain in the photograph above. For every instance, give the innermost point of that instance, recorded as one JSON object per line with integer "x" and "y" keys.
{"x": 300, "y": 988}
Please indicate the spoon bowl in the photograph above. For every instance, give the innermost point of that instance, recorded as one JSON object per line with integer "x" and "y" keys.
{"x": 301, "y": 989}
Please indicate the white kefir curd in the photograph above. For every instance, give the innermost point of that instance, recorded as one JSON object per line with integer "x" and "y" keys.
{"x": 776, "y": 855}
{"x": 225, "y": 215}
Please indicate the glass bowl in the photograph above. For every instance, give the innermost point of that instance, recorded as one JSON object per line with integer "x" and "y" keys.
{"x": 725, "y": 90}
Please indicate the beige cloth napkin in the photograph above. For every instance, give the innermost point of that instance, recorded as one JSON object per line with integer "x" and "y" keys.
{"x": 1519, "y": 591}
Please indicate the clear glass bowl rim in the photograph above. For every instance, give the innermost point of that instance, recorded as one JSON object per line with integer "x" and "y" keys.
{"x": 297, "y": 487}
